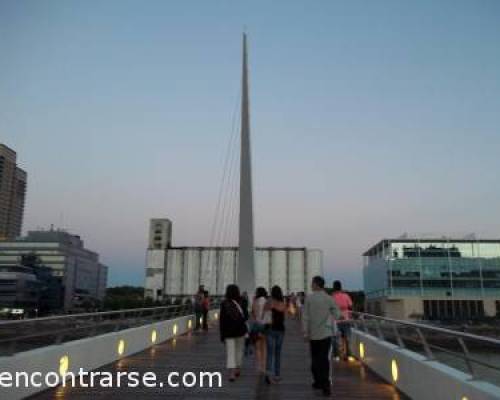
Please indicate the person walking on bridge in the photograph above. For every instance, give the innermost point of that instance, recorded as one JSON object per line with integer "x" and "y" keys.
{"x": 205, "y": 308}
{"x": 344, "y": 302}
{"x": 198, "y": 307}
{"x": 233, "y": 329}
{"x": 319, "y": 309}
{"x": 275, "y": 334}
{"x": 260, "y": 320}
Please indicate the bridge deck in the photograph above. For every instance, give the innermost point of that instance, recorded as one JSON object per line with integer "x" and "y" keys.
{"x": 203, "y": 351}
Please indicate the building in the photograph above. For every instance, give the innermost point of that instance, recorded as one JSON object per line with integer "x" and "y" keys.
{"x": 18, "y": 286}
{"x": 33, "y": 290}
{"x": 79, "y": 269}
{"x": 433, "y": 278}
{"x": 174, "y": 270}
{"x": 12, "y": 194}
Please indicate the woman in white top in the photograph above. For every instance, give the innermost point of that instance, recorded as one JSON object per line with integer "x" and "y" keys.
{"x": 260, "y": 318}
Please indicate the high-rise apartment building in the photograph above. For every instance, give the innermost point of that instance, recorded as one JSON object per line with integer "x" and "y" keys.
{"x": 12, "y": 194}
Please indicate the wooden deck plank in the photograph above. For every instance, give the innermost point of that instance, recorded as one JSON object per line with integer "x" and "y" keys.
{"x": 204, "y": 352}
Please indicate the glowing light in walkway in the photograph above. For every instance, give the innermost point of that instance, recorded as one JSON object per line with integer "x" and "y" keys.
{"x": 190, "y": 324}
{"x": 201, "y": 320}
{"x": 153, "y": 336}
{"x": 174, "y": 329}
{"x": 394, "y": 371}
{"x": 361, "y": 350}
{"x": 216, "y": 315}
{"x": 63, "y": 365}
{"x": 121, "y": 347}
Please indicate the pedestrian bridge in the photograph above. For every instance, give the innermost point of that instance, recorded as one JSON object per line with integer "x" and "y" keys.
{"x": 161, "y": 341}
{"x": 200, "y": 351}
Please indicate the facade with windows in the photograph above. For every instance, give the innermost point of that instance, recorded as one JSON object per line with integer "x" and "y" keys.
{"x": 31, "y": 290}
{"x": 13, "y": 182}
{"x": 172, "y": 270}
{"x": 18, "y": 286}
{"x": 433, "y": 279}
{"x": 81, "y": 273}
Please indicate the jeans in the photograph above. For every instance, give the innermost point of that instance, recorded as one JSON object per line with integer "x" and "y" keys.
{"x": 344, "y": 333}
{"x": 320, "y": 363}
{"x": 274, "y": 340}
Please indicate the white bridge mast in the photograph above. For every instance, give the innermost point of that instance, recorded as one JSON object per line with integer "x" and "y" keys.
{"x": 246, "y": 264}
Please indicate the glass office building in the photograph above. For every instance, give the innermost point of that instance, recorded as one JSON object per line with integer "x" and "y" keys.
{"x": 436, "y": 279}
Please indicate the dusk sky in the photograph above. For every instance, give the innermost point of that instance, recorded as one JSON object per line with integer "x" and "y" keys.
{"x": 369, "y": 119}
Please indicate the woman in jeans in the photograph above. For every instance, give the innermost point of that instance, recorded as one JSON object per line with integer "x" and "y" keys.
{"x": 275, "y": 334}
{"x": 233, "y": 329}
{"x": 259, "y": 321}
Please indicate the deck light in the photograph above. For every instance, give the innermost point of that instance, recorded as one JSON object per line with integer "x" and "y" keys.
{"x": 394, "y": 371}
{"x": 190, "y": 324}
{"x": 153, "y": 336}
{"x": 174, "y": 329}
{"x": 361, "y": 350}
{"x": 121, "y": 347}
{"x": 63, "y": 365}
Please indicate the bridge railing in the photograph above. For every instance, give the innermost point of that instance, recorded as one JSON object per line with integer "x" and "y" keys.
{"x": 28, "y": 334}
{"x": 478, "y": 356}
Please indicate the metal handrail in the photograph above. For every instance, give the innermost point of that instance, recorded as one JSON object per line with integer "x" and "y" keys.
{"x": 83, "y": 315}
{"x": 430, "y": 327}
{"x": 79, "y": 315}
{"x": 39, "y": 332}
{"x": 82, "y": 327}
{"x": 464, "y": 354}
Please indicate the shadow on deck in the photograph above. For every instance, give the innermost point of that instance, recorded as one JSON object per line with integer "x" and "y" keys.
{"x": 197, "y": 352}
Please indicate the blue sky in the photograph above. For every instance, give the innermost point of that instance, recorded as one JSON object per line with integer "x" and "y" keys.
{"x": 369, "y": 119}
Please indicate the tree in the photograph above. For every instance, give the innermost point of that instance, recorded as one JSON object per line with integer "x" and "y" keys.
{"x": 124, "y": 297}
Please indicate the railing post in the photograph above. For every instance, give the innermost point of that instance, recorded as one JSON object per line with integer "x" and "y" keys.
{"x": 59, "y": 338}
{"x": 119, "y": 321}
{"x": 427, "y": 349}
{"x": 379, "y": 330}
{"x": 398, "y": 337}
{"x": 12, "y": 347}
{"x": 96, "y": 321}
{"x": 467, "y": 357}
{"x": 165, "y": 314}
{"x": 365, "y": 328}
